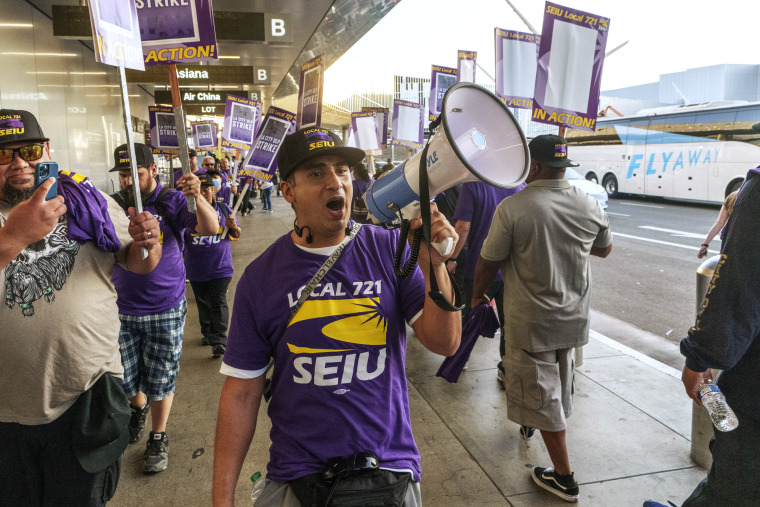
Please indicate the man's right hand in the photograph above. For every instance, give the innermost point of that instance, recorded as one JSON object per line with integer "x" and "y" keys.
{"x": 33, "y": 219}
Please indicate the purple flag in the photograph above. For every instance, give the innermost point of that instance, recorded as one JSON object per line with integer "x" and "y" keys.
{"x": 261, "y": 161}
{"x": 367, "y": 133}
{"x": 163, "y": 131}
{"x": 516, "y": 61}
{"x": 87, "y": 210}
{"x": 441, "y": 79}
{"x": 204, "y": 134}
{"x": 570, "y": 60}
{"x": 116, "y": 33}
{"x": 482, "y": 321}
{"x": 408, "y": 124}
{"x": 466, "y": 66}
{"x": 177, "y": 31}
{"x": 310, "y": 89}
{"x": 241, "y": 119}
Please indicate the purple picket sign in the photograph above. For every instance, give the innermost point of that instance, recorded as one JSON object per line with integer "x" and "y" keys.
{"x": 177, "y": 32}
{"x": 204, "y": 134}
{"x": 163, "y": 130}
{"x": 516, "y": 62}
{"x": 466, "y": 61}
{"x": 382, "y": 122}
{"x": 310, "y": 88}
{"x": 570, "y": 61}
{"x": 241, "y": 117}
{"x": 261, "y": 161}
{"x": 408, "y": 124}
{"x": 367, "y": 132}
{"x": 116, "y": 33}
{"x": 441, "y": 79}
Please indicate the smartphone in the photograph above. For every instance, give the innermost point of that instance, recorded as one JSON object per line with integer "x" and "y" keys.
{"x": 43, "y": 171}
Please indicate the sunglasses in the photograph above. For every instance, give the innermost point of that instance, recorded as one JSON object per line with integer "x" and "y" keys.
{"x": 27, "y": 153}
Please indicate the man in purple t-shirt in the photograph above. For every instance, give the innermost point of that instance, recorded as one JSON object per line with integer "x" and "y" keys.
{"x": 475, "y": 208}
{"x": 152, "y": 307}
{"x": 208, "y": 261}
{"x": 338, "y": 386}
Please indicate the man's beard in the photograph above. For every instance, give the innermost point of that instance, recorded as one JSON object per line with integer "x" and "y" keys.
{"x": 129, "y": 196}
{"x": 15, "y": 195}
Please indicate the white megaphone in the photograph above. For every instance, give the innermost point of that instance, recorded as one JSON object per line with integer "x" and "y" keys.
{"x": 480, "y": 141}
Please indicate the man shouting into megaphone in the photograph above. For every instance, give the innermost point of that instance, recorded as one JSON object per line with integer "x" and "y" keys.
{"x": 324, "y": 302}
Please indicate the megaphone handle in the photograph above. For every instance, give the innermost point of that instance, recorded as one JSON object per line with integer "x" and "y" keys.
{"x": 444, "y": 247}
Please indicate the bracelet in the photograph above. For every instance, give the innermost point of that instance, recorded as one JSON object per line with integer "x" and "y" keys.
{"x": 705, "y": 245}
{"x": 450, "y": 259}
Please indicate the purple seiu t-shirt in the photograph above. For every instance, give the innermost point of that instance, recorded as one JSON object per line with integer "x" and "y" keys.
{"x": 164, "y": 287}
{"x": 476, "y": 204}
{"x": 339, "y": 366}
{"x": 208, "y": 257}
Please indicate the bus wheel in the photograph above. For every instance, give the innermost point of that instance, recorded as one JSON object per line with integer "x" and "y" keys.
{"x": 610, "y": 184}
{"x": 592, "y": 177}
{"x": 733, "y": 186}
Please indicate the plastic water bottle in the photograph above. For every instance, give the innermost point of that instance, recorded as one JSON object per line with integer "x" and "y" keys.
{"x": 723, "y": 418}
{"x": 258, "y": 486}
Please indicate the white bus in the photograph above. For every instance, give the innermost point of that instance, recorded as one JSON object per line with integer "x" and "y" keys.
{"x": 697, "y": 152}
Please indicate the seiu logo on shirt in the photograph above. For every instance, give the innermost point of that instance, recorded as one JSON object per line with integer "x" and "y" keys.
{"x": 360, "y": 322}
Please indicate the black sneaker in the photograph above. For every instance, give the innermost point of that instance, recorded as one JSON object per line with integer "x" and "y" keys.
{"x": 218, "y": 350}
{"x": 156, "y": 453}
{"x": 526, "y": 432}
{"x": 564, "y": 486}
{"x": 137, "y": 422}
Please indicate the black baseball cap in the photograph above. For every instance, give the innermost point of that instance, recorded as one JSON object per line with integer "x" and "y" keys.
{"x": 19, "y": 125}
{"x": 143, "y": 155}
{"x": 550, "y": 150}
{"x": 311, "y": 142}
{"x": 207, "y": 178}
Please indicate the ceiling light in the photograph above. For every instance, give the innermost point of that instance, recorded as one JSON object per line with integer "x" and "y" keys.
{"x": 16, "y": 25}
{"x": 230, "y": 57}
{"x": 18, "y": 53}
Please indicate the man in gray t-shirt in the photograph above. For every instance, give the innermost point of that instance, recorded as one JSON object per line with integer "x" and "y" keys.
{"x": 541, "y": 238}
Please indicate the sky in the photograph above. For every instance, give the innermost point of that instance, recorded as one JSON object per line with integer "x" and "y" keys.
{"x": 664, "y": 36}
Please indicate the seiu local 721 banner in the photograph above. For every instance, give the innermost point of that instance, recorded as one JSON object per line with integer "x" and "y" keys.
{"x": 570, "y": 61}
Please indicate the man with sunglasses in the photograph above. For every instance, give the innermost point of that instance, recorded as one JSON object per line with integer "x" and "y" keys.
{"x": 152, "y": 308}
{"x": 59, "y": 332}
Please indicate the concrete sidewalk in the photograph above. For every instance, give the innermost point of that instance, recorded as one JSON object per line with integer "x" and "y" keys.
{"x": 628, "y": 436}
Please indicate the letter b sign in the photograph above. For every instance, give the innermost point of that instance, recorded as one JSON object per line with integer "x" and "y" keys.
{"x": 262, "y": 75}
{"x": 279, "y": 28}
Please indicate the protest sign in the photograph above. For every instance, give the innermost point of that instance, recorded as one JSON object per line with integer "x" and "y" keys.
{"x": 441, "y": 79}
{"x": 570, "y": 61}
{"x": 204, "y": 134}
{"x": 163, "y": 130}
{"x": 116, "y": 33}
{"x": 180, "y": 31}
{"x": 310, "y": 89}
{"x": 466, "y": 61}
{"x": 408, "y": 124}
{"x": 261, "y": 161}
{"x": 516, "y": 61}
{"x": 382, "y": 122}
{"x": 241, "y": 119}
{"x": 367, "y": 134}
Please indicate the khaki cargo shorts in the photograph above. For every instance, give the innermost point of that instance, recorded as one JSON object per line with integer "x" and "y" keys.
{"x": 539, "y": 387}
